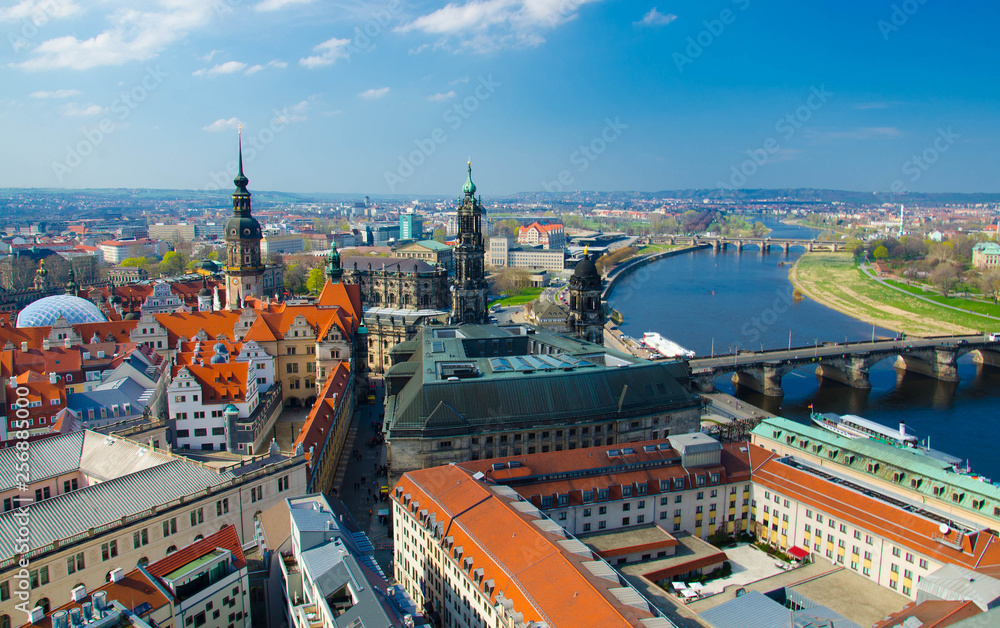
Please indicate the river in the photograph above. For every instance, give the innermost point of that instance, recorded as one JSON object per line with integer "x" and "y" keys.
{"x": 718, "y": 302}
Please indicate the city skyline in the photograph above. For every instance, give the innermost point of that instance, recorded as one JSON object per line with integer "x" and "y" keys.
{"x": 560, "y": 95}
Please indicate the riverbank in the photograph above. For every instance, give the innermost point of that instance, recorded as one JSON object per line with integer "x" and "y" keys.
{"x": 833, "y": 280}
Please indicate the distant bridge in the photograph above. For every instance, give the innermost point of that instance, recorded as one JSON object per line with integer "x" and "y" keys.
{"x": 847, "y": 363}
{"x": 763, "y": 244}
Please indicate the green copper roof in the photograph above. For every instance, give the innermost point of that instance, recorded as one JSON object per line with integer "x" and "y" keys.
{"x": 469, "y": 188}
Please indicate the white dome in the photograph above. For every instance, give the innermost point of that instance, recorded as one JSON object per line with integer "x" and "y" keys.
{"x": 45, "y": 312}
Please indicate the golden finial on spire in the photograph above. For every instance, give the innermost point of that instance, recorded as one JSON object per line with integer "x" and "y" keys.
{"x": 239, "y": 129}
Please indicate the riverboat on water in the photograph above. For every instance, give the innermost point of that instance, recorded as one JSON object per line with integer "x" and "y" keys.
{"x": 663, "y": 346}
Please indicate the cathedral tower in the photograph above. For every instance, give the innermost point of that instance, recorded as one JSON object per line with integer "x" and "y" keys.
{"x": 586, "y": 311}
{"x": 244, "y": 268}
{"x": 468, "y": 298}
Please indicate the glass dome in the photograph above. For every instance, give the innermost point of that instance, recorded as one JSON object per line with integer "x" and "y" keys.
{"x": 45, "y": 312}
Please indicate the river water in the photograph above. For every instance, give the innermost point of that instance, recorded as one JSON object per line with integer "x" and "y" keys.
{"x": 722, "y": 301}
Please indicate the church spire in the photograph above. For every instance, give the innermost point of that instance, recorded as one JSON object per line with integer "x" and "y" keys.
{"x": 241, "y": 180}
{"x": 469, "y": 188}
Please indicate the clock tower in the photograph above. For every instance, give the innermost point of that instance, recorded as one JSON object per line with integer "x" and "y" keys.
{"x": 244, "y": 267}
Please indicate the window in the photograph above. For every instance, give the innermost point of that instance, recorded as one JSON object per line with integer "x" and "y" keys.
{"x": 283, "y": 484}
{"x": 819, "y": 518}
{"x": 218, "y": 431}
{"x": 586, "y": 512}
{"x": 40, "y": 577}
{"x": 603, "y": 510}
{"x": 664, "y": 501}
{"x": 895, "y": 552}
{"x": 256, "y": 494}
{"x": 183, "y": 433}
{"x": 586, "y": 527}
{"x": 923, "y": 563}
{"x": 41, "y": 493}
{"x": 222, "y": 507}
{"x": 601, "y": 525}
{"x": 641, "y": 504}
{"x": 69, "y": 485}
{"x": 701, "y": 495}
{"x": 292, "y": 367}
{"x": 909, "y": 558}
{"x": 140, "y": 538}
{"x": 640, "y": 518}
{"x": 201, "y": 431}
{"x": 75, "y": 563}
{"x": 5, "y": 593}
{"x": 109, "y": 550}
{"x": 626, "y": 507}
{"x": 197, "y": 516}
{"x": 677, "y": 498}
{"x": 624, "y": 521}
{"x": 169, "y": 527}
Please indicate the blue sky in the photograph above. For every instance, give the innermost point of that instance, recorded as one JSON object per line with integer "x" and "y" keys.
{"x": 392, "y": 96}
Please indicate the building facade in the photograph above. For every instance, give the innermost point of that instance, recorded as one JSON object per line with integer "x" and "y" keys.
{"x": 549, "y": 236}
{"x": 986, "y": 255}
{"x": 505, "y": 253}
{"x": 480, "y": 391}
{"x": 398, "y": 283}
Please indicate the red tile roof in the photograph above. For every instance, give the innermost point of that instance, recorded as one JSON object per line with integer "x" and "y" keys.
{"x": 226, "y": 538}
{"x": 980, "y": 549}
{"x": 545, "y": 581}
{"x": 321, "y": 418}
{"x": 220, "y": 383}
{"x": 932, "y": 613}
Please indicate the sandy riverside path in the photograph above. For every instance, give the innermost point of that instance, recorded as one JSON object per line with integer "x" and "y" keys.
{"x": 895, "y": 319}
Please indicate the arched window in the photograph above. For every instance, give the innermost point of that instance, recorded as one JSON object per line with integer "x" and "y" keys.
{"x": 171, "y": 550}
{"x": 198, "y": 538}
{"x": 143, "y": 562}
{"x": 43, "y": 604}
{"x": 4, "y": 621}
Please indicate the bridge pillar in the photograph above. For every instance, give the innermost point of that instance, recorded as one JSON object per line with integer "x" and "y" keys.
{"x": 704, "y": 383}
{"x": 742, "y": 379}
{"x": 716, "y": 245}
{"x": 809, "y": 247}
{"x": 785, "y": 247}
{"x": 772, "y": 381}
{"x": 739, "y": 246}
{"x": 851, "y": 372}
{"x": 939, "y": 363}
{"x": 764, "y": 247}
{"x": 986, "y": 357}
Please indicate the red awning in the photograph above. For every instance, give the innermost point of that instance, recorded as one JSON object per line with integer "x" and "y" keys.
{"x": 797, "y": 552}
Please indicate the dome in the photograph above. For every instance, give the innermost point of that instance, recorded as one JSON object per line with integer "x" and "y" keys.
{"x": 243, "y": 227}
{"x": 220, "y": 349}
{"x": 585, "y": 268}
{"x": 231, "y": 409}
{"x": 45, "y": 312}
{"x": 204, "y": 292}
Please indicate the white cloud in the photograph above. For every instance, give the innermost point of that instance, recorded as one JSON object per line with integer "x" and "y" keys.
{"x": 464, "y": 79}
{"x": 374, "y": 93}
{"x": 276, "y": 5}
{"x": 441, "y": 97}
{"x": 208, "y": 58}
{"x": 253, "y": 69}
{"x": 655, "y": 18}
{"x": 73, "y": 109}
{"x": 293, "y": 113}
{"x": 860, "y": 133}
{"x": 222, "y": 124}
{"x": 56, "y": 93}
{"x": 229, "y": 67}
{"x": 39, "y": 11}
{"x": 134, "y": 35}
{"x": 486, "y": 25}
{"x": 329, "y": 51}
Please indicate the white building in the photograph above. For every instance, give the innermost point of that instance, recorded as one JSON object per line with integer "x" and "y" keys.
{"x": 161, "y": 301}
{"x": 207, "y": 401}
{"x": 114, "y": 251}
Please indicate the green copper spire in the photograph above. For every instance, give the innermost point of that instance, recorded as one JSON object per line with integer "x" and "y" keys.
{"x": 241, "y": 179}
{"x": 469, "y": 188}
{"x": 333, "y": 269}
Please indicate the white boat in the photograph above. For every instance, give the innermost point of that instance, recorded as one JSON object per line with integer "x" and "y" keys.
{"x": 853, "y": 426}
{"x": 666, "y": 348}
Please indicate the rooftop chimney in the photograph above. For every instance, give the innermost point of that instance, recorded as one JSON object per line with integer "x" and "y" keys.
{"x": 117, "y": 574}
{"x": 24, "y": 346}
{"x": 53, "y": 378}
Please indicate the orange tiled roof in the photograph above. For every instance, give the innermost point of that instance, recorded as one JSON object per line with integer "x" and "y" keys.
{"x": 131, "y": 591}
{"x": 904, "y": 528}
{"x": 220, "y": 383}
{"x": 544, "y": 581}
{"x": 932, "y": 613}
{"x": 226, "y": 538}
{"x": 321, "y": 418}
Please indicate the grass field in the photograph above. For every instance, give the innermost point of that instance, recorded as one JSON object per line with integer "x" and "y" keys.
{"x": 525, "y": 296}
{"x": 976, "y": 305}
{"x": 657, "y": 248}
{"x": 834, "y": 280}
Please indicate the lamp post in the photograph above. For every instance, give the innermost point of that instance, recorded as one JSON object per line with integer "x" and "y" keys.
{"x": 816, "y": 347}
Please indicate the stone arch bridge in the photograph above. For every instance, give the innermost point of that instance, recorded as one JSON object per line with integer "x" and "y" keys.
{"x": 847, "y": 363}
{"x": 763, "y": 244}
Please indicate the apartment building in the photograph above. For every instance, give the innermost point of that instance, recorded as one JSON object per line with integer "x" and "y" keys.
{"x": 204, "y": 584}
{"x": 329, "y": 580}
{"x": 549, "y": 236}
{"x": 474, "y": 553}
{"x": 808, "y": 509}
{"x": 102, "y": 502}
{"x": 687, "y": 483}
{"x": 209, "y": 402}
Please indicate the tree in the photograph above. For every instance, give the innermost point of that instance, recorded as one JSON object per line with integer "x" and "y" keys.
{"x": 989, "y": 283}
{"x": 295, "y": 278}
{"x": 440, "y": 234}
{"x": 172, "y": 263}
{"x": 945, "y": 277}
{"x": 316, "y": 280}
{"x": 214, "y": 256}
{"x": 881, "y": 252}
{"x": 139, "y": 262}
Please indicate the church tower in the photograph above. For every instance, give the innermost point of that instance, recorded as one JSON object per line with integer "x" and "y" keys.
{"x": 333, "y": 270}
{"x": 244, "y": 268}
{"x": 586, "y": 312}
{"x": 468, "y": 297}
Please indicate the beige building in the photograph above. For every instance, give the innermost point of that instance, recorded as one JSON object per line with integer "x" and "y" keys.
{"x": 108, "y": 502}
{"x": 430, "y": 251}
{"x": 504, "y": 252}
